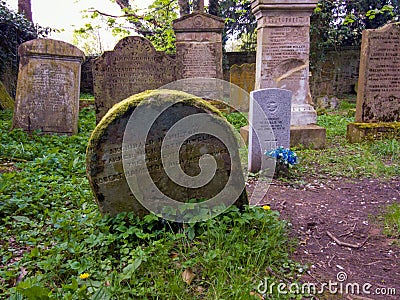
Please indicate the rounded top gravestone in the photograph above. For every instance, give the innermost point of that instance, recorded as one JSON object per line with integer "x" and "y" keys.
{"x": 159, "y": 150}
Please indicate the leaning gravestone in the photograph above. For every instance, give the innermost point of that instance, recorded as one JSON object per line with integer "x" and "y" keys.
{"x": 378, "y": 98}
{"x": 132, "y": 67}
{"x": 135, "y": 154}
{"x": 269, "y": 118}
{"x": 47, "y": 96}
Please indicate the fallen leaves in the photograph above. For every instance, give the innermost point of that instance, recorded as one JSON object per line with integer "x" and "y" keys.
{"x": 188, "y": 276}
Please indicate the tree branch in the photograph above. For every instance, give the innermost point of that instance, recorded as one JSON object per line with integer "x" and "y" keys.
{"x": 127, "y": 15}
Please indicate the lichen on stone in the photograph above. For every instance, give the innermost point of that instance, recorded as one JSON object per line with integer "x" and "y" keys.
{"x": 6, "y": 102}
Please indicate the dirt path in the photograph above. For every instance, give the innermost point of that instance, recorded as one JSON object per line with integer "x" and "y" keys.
{"x": 321, "y": 211}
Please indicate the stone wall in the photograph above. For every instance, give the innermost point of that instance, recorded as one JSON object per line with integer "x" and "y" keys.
{"x": 337, "y": 73}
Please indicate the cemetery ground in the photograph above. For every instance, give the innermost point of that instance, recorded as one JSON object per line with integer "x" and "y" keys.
{"x": 339, "y": 211}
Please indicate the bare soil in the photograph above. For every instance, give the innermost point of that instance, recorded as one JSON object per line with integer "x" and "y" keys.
{"x": 336, "y": 224}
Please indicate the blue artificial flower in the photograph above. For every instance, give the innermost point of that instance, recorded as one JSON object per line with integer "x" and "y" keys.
{"x": 283, "y": 156}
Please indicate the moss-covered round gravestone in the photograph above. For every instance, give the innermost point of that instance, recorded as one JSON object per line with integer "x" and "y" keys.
{"x": 159, "y": 151}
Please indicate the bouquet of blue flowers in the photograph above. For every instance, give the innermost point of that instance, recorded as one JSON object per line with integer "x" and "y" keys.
{"x": 283, "y": 156}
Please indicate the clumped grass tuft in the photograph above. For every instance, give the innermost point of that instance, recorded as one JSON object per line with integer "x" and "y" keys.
{"x": 391, "y": 221}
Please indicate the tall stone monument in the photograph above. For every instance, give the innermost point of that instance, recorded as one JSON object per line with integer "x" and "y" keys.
{"x": 47, "y": 96}
{"x": 283, "y": 46}
{"x": 199, "y": 45}
{"x": 378, "y": 98}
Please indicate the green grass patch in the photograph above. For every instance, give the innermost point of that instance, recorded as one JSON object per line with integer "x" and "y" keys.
{"x": 391, "y": 221}
{"x": 52, "y": 233}
{"x": 341, "y": 159}
{"x": 238, "y": 120}
{"x": 86, "y": 96}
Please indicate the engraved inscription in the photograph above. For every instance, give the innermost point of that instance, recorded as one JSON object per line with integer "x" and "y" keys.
{"x": 133, "y": 67}
{"x": 199, "y": 60}
{"x": 379, "y": 83}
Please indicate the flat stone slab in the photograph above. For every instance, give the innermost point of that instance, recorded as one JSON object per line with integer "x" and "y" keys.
{"x": 309, "y": 136}
{"x": 359, "y": 132}
{"x": 161, "y": 147}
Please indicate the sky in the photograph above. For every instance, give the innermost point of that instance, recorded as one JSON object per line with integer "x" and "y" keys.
{"x": 66, "y": 15}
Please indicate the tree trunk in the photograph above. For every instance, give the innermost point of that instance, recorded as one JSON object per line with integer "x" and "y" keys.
{"x": 24, "y": 7}
{"x": 184, "y": 8}
{"x": 213, "y": 7}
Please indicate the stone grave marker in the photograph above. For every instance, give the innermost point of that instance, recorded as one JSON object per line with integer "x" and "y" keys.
{"x": 47, "y": 96}
{"x": 199, "y": 45}
{"x": 269, "y": 118}
{"x": 283, "y": 50}
{"x": 378, "y": 98}
{"x": 243, "y": 76}
{"x": 127, "y": 165}
{"x": 132, "y": 67}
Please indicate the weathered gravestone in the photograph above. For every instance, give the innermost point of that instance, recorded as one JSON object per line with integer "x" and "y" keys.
{"x": 132, "y": 67}
{"x": 243, "y": 76}
{"x": 199, "y": 45}
{"x": 378, "y": 98}
{"x": 283, "y": 47}
{"x": 269, "y": 119}
{"x": 130, "y": 171}
{"x": 47, "y": 96}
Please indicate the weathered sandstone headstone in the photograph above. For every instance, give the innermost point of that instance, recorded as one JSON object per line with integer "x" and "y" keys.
{"x": 243, "y": 76}
{"x": 269, "y": 119}
{"x": 132, "y": 67}
{"x": 199, "y": 45}
{"x": 47, "y": 96}
{"x": 127, "y": 165}
{"x": 378, "y": 98}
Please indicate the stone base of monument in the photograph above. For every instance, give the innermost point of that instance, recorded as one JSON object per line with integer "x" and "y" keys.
{"x": 309, "y": 136}
{"x": 358, "y": 132}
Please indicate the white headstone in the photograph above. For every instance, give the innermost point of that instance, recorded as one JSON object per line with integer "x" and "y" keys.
{"x": 269, "y": 118}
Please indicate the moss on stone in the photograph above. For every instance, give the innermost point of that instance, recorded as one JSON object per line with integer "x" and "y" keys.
{"x": 157, "y": 96}
{"x": 6, "y": 102}
{"x": 393, "y": 125}
{"x": 358, "y": 132}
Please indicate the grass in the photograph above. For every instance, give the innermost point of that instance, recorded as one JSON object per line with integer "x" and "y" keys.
{"x": 390, "y": 220}
{"x": 52, "y": 233}
{"x": 341, "y": 159}
{"x": 86, "y": 96}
